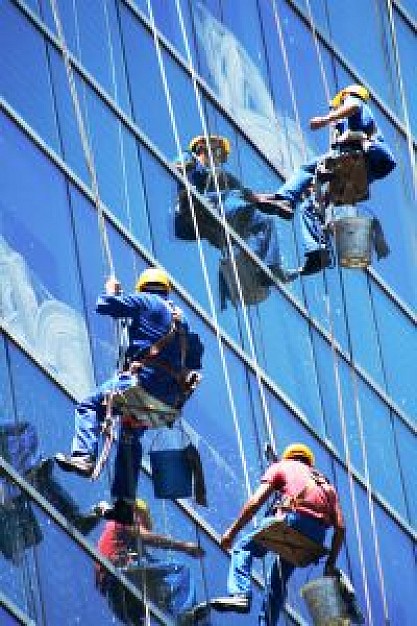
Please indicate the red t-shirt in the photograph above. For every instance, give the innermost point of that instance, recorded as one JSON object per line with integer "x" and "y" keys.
{"x": 114, "y": 542}
{"x": 290, "y": 477}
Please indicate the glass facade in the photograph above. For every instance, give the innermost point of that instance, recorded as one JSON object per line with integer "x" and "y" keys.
{"x": 327, "y": 359}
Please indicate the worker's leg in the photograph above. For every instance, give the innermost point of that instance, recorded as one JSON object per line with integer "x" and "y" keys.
{"x": 295, "y": 186}
{"x": 276, "y": 591}
{"x": 379, "y": 160}
{"x": 127, "y": 465}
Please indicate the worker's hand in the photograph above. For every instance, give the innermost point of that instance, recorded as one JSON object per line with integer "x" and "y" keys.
{"x": 194, "y": 550}
{"x": 177, "y": 314}
{"x": 318, "y": 122}
{"x": 226, "y": 540}
{"x": 113, "y": 286}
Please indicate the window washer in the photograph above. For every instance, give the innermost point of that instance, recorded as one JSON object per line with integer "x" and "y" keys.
{"x": 160, "y": 364}
{"x": 245, "y": 215}
{"x": 349, "y": 113}
{"x": 167, "y": 582}
{"x": 308, "y": 503}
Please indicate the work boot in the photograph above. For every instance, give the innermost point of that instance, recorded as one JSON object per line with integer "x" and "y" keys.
{"x": 121, "y": 511}
{"x": 236, "y": 603}
{"x": 315, "y": 262}
{"x": 193, "y": 616}
{"x": 82, "y": 464}
{"x": 274, "y": 204}
{"x": 86, "y": 522}
{"x": 284, "y": 275}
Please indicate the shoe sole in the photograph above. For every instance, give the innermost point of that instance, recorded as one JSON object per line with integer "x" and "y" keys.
{"x": 229, "y": 608}
{"x": 66, "y": 466}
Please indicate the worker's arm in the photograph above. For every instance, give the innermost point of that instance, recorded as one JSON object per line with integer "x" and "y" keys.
{"x": 248, "y": 511}
{"x": 161, "y": 541}
{"x": 337, "y": 542}
{"x": 345, "y": 110}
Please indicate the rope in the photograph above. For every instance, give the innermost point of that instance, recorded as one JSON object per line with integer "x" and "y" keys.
{"x": 200, "y": 251}
{"x": 268, "y": 421}
{"x": 120, "y": 133}
{"x": 289, "y": 77}
{"x": 403, "y": 97}
{"x": 84, "y": 138}
{"x": 360, "y": 426}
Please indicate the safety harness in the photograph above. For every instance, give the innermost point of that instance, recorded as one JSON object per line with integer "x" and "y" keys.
{"x": 293, "y": 502}
{"x": 187, "y": 380}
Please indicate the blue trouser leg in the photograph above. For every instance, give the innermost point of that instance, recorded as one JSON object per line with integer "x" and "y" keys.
{"x": 263, "y": 239}
{"x": 295, "y": 186}
{"x": 258, "y": 230}
{"x": 379, "y": 160}
{"x": 276, "y": 591}
{"x": 88, "y": 416}
{"x": 311, "y": 227}
{"x": 243, "y": 553}
{"x": 127, "y": 464}
{"x": 90, "y": 413}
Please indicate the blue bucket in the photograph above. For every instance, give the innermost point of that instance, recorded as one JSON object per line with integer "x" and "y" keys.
{"x": 171, "y": 474}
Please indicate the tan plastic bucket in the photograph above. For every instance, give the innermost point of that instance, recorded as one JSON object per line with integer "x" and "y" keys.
{"x": 324, "y": 602}
{"x": 353, "y": 238}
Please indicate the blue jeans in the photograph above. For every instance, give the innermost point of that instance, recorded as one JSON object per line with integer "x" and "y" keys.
{"x": 258, "y": 230}
{"x": 379, "y": 163}
{"x": 89, "y": 415}
{"x": 313, "y": 236}
{"x": 243, "y": 553}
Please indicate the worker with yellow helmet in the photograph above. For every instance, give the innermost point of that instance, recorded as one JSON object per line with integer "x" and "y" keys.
{"x": 307, "y": 502}
{"x": 161, "y": 361}
{"x": 349, "y": 111}
{"x": 167, "y": 582}
{"x": 204, "y": 165}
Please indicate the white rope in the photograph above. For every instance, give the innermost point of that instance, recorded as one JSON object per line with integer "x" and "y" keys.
{"x": 360, "y": 426}
{"x": 403, "y": 97}
{"x": 120, "y": 132}
{"x": 268, "y": 421}
{"x": 83, "y": 136}
{"x": 289, "y": 77}
{"x": 200, "y": 250}
{"x": 348, "y": 463}
{"x": 318, "y": 51}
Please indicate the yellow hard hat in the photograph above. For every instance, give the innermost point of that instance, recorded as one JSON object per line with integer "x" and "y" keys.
{"x": 153, "y": 277}
{"x": 142, "y": 507}
{"x": 215, "y": 140}
{"x": 299, "y": 450}
{"x": 354, "y": 90}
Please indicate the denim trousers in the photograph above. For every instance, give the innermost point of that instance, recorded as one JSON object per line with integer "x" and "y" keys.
{"x": 379, "y": 163}
{"x": 244, "y": 551}
{"x": 89, "y": 415}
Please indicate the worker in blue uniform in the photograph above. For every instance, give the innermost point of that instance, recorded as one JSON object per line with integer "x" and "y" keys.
{"x": 349, "y": 111}
{"x": 162, "y": 359}
{"x": 223, "y": 190}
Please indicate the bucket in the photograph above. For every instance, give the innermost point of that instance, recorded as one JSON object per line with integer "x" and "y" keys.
{"x": 324, "y": 602}
{"x": 353, "y": 238}
{"x": 172, "y": 472}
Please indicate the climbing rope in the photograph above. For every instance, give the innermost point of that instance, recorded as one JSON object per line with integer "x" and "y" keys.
{"x": 200, "y": 249}
{"x": 84, "y": 138}
{"x": 255, "y": 363}
{"x": 360, "y": 425}
{"x": 409, "y": 135}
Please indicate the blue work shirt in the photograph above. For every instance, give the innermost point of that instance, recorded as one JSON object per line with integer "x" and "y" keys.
{"x": 150, "y": 318}
{"x": 362, "y": 120}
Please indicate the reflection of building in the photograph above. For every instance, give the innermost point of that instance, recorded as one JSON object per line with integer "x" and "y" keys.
{"x": 353, "y": 399}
